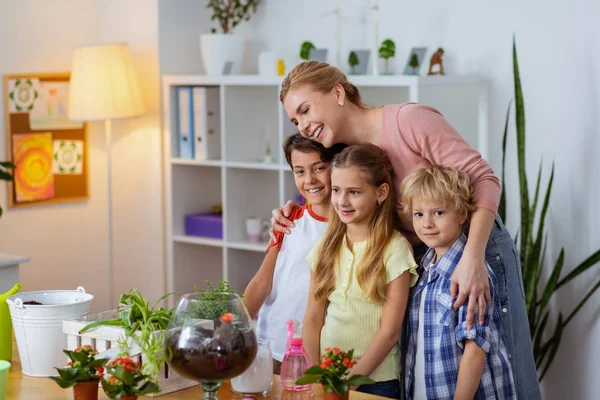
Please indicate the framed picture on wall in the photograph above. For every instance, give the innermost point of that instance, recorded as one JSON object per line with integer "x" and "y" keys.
{"x": 49, "y": 151}
{"x": 415, "y": 60}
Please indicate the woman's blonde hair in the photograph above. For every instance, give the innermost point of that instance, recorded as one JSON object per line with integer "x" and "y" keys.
{"x": 438, "y": 183}
{"x": 321, "y": 77}
{"x": 375, "y": 167}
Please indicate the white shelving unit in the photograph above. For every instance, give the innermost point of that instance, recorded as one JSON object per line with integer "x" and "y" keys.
{"x": 235, "y": 178}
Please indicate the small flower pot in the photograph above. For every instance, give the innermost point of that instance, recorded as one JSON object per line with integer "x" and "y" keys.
{"x": 86, "y": 390}
{"x": 334, "y": 395}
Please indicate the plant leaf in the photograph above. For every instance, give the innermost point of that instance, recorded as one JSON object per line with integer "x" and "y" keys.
{"x": 122, "y": 375}
{"x": 551, "y": 285}
{"x": 306, "y": 379}
{"x": 357, "y": 380}
{"x": 7, "y": 164}
{"x": 581, "y": 303}
{"x": 97, "y": 324}
{"x": 502, "y": 204}
{"x": 587, "y": 263}
{"x": 555, "y": 342}
{"x": 315, "y": 370}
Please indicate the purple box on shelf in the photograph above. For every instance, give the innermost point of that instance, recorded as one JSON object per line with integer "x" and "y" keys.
{"x": 204, "y": 224}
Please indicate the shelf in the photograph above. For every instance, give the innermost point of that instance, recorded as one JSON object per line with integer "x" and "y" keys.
{"x": 260, "y": 247}
{"x": 198, "y": 240}
{"x": 204, "y": 163}
{"x": 358, "y": 80}
{"x": 251, "y": 165}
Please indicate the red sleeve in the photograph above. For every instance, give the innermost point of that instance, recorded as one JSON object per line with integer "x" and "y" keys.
{"x": 297, "y": 212}
{"x": 429, "y": 134}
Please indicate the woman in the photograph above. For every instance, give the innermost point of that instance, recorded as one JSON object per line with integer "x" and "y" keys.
{"x": 327, "y": 108}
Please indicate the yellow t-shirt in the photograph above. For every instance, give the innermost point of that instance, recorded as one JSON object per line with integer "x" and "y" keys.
{"x": 352, "y": 320}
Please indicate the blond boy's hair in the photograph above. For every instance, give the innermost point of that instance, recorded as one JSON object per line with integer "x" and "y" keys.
{"x": 438, "y": 183}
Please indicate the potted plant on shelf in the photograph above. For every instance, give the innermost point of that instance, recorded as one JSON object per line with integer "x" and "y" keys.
{"x": 414, "y": 63}
{"x": 308, "y": 51}
{"x": 222, "y": 53}
{"x": 83, "y": 373}
{"x": 387, "y": 51}
{"x": 127, "y": 381}
{"x": 333, "y": 374}
{"x": 352, "y": 61}
{"x": 5, "y": 174}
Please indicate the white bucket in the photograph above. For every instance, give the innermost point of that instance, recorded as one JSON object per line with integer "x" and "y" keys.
{"x": 38, "y": 328}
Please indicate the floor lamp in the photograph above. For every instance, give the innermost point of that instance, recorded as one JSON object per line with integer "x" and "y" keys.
{"x": 104, "y": 87}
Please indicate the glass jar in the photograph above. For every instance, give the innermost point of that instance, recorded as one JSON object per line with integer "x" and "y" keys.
{"x": 257, "y": 380}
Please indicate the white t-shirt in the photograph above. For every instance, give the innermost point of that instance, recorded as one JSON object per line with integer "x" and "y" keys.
{"x": 291, "y": 280}
{"x": 419, "y": 385}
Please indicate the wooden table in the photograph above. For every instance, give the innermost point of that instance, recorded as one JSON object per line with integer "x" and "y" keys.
{"x": 23, "y": 387}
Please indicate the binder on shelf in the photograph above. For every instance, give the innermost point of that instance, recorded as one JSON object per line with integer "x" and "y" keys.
{"x": 207, "y": 122}
{"x": 185, "y": 122}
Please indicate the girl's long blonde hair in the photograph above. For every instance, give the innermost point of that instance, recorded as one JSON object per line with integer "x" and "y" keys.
{"x": 377, "y": 170}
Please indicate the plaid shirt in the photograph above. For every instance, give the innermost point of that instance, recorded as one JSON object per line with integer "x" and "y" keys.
{"x": 445, "y": 331}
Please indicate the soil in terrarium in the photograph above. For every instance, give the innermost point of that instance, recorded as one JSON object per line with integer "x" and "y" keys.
{"x": 211, "y": 355}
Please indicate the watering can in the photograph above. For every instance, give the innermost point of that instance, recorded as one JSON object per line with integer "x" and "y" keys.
{"x": 6, "y": 325}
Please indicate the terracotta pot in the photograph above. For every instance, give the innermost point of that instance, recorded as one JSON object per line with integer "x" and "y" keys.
{"x": 86, "y": 390}
{"x": 334, "y": 395}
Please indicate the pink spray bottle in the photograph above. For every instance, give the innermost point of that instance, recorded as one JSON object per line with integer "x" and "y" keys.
{"x": 295, "y": 361}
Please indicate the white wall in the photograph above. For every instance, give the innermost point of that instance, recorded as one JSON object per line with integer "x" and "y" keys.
{"x": 560, "y": 62}
{"x": 68, "y": 243}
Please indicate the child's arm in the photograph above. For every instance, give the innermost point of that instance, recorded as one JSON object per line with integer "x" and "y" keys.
{"x": 313, "y": 322}
{"x": 469, "y": 371}
{"x": 396, "y": 298}
{"x": 260, "y": 286}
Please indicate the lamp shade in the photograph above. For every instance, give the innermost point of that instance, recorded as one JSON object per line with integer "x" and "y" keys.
{"x": 104, "y": 84}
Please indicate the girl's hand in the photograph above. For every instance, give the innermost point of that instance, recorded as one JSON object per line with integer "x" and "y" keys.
{"x": 279, "y": 222}
{"x": 470, "y": 279}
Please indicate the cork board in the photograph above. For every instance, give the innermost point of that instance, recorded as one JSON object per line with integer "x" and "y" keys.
{"x": 49, "y": 151}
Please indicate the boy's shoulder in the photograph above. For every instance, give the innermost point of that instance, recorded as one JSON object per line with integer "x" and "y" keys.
{"x": 299, "y": 213}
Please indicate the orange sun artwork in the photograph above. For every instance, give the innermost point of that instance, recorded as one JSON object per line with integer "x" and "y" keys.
{"x": 34, "y": 179}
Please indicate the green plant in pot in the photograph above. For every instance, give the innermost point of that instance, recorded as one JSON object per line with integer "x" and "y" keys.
{"x": 5, "y": 175}
{"x": 305, "y": 49}
{"x": 532, "y": 244}
{"x": 353, "y": 61}
{"x": 83, "y": 373}
{"x": 387, "y": 50}
{"x": 222, "y": 53}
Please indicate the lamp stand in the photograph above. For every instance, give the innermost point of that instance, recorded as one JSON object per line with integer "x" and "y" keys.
{"x": 108, "y": 133}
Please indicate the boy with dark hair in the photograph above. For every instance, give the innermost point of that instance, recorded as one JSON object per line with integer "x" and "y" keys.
{"x": 279, "y": 290}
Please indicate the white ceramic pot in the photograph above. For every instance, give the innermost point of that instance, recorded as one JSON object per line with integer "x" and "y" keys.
{"x": 38, "y": 328}
{"x": 222, "y": 54}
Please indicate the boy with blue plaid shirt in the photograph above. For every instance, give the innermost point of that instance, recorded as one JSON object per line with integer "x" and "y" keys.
{"x": 445, "y": 358}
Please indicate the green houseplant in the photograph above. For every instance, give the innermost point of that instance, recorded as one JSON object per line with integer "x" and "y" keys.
{"x": 82, "y": 373}
{"x": 229, "y": 13}
{"x": 127, "y": 380}
{"x": 5, "y": 174}
{"x": 353, "y": 60}
{"x": 305, "y": 49}
{"x": 387, "y": 50}
{"x": 414, "y": 63}
{"x": 533, "y": 247}
{"x": 333, "y": 372}
{"x": 222, "y": 53}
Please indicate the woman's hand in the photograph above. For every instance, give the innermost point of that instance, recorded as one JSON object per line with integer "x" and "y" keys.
{"x": 279, "y": 222}
{"x": 470, "y": 279}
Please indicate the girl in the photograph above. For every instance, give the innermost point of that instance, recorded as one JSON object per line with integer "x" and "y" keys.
{"x": 361, "y": 271}
{"x": 327, "y": 108}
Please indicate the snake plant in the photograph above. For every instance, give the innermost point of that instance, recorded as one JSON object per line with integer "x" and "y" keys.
{"x": 532, "y": 245}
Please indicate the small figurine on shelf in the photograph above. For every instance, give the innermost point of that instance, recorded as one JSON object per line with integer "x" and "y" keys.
{"x": 280, "y": 67}
{"x": 387, "y": 51}
{"x": 353, "y": 61}
{"x": 436, "y": 66}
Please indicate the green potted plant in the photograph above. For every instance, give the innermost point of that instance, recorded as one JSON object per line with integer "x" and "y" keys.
{"x": 127, "y": 381}
{"x": 333, "y": 372}
{"x": 83, "y": 373}
{"x": 142, "y": 324}
{"x": 308, "y": 51}
{"x": 5, "y": 175}
{"x": 222, "y": 53}
{"x": 352, "y": 61}
{"x": 532, "y": 246}
{"x": 414, "y": 63}
{"x": 387, "y": 50}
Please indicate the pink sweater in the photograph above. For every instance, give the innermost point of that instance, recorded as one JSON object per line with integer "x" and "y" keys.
{"x": 416, "y": 136}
